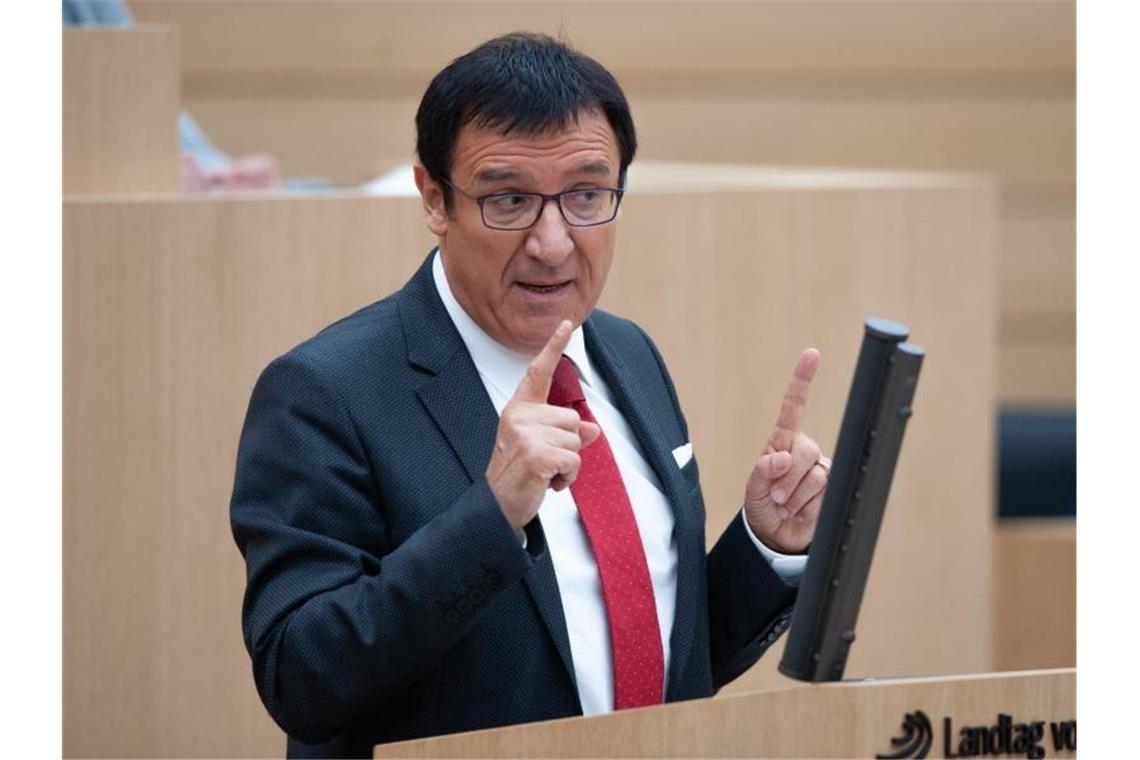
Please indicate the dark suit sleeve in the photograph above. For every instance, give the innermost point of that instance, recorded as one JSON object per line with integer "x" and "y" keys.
{"x": 749, "y": 605}
{"x": 336, "y": 620}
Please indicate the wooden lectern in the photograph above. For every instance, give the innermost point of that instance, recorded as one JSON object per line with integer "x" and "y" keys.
{"x": 1017, "y": 714}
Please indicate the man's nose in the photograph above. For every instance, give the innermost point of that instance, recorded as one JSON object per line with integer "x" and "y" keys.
{"x": 549, "y": 238}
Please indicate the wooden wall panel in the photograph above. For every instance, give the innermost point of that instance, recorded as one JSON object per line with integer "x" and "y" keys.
{"x": 1038, "y": 306}
{"x": 172, "y": 308}
{"x": 1038, "y": 271}
{"x": 120, "y": 110}
{"x": 1039, "y": 375}
{"x": 1023, "y": 144}
{"x": 1035, "y": 594}
{"x": 418, "y": 38}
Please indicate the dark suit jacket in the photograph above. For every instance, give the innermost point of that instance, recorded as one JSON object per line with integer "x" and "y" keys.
{"x": 387, "y": 596}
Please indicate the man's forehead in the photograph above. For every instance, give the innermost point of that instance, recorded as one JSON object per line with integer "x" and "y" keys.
{"x": 586, "y": 146}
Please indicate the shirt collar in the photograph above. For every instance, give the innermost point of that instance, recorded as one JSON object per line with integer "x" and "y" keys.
{"x": 499, "y": 365}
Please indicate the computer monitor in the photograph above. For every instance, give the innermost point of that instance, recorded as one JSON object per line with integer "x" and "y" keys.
{"x": 878, "y": 408}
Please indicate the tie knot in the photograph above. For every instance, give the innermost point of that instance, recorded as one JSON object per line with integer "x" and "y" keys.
{"x": 565, "y": 390}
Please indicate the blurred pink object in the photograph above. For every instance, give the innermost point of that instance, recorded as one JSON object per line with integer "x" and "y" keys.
{"x": 258, "y": 171}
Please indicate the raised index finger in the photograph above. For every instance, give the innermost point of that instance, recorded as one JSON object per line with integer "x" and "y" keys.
{"x": 794, "y": 406}
{"x": 535, "y": 385}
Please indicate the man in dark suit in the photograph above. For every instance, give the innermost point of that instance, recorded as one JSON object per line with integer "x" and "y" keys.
{"x": 474, "y": 503}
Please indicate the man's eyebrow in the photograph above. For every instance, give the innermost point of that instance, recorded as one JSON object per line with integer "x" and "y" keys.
{"x": 593, "y": 167}
{"x": 495, "y": 175}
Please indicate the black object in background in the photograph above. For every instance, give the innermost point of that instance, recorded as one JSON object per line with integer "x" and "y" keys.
{"x": 1037, "y": 470}
{"x": 878, "y": 407}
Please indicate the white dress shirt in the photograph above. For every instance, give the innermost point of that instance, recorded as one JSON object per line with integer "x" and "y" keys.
{"x": 501, "y": 371}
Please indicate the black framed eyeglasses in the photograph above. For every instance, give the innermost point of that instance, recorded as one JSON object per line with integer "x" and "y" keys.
{"x": 580, "y": 207}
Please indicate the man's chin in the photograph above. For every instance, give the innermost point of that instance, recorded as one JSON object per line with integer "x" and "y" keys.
{"x": 536, "y": 333}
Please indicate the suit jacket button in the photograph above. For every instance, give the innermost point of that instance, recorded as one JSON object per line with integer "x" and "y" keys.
{"x": 451, "y": 617}
{"x": 464, "y": 606}
{"x": 477, "y": 596}
{"x": 493, "y": 579}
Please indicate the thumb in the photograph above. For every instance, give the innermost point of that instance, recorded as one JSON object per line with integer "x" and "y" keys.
{"x": 589, "y": 432}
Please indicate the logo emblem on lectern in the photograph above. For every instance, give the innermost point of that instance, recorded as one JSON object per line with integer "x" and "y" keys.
{"x": 916, "y": 738}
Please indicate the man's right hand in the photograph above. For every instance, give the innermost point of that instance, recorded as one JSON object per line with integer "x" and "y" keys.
{"x": 537, "y": 444}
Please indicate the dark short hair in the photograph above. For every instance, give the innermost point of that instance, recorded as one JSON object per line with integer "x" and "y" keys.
{"x": 518, "y": 83}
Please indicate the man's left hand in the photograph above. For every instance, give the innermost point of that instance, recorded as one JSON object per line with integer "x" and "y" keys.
{"x": 785, "y": 488}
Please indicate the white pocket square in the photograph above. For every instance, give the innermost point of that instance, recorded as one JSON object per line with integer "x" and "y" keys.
{"x": 683, "y": 454}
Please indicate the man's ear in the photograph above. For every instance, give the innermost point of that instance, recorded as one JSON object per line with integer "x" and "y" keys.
{"x": 431, "y": 196}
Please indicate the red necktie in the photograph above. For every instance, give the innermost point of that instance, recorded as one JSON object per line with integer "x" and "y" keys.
{"x": 603, "y": 504}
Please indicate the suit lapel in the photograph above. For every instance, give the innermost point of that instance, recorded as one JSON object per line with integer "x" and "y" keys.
{"x": 457, "y": 401}
{"x": 643, "y": 404}
{"x": 640, "y": 411}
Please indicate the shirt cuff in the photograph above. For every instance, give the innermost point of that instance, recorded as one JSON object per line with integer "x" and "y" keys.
{"x": 790, "y": 567}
